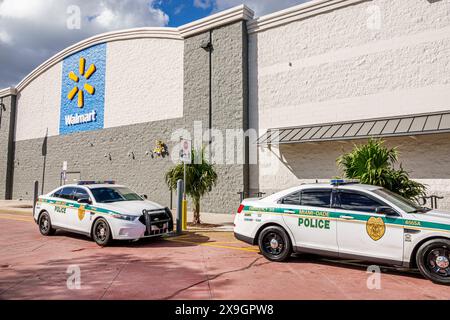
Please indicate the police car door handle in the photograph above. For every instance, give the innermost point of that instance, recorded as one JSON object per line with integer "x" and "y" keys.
{"x": 289, "y": 211}
{"x": 347, "y": 217}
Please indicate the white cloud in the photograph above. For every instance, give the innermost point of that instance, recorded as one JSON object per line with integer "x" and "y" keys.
{"x": 106, "y": 18}
{"x": 31, "y": 31}
{"x": 261, "y": 7}
{"x": 5, "y": 38}
{"x": 23, "y": 9}
{"x": 202, "y": 4}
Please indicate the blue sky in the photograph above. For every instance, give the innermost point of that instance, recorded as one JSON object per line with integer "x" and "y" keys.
{"x": 181, "y": 11}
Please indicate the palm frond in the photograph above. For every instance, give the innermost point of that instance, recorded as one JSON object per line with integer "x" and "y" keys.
{"x": 373, "y": 163}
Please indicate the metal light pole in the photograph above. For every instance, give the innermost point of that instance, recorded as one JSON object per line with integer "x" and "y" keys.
{"x": 185, "y": 156}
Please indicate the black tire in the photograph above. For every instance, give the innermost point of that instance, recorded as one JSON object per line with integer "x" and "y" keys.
{"x": 275, "y": 244}
{"x": 101, "y": 232}
{"x": 45, "y": 224}
{"x": 433, "y": 260}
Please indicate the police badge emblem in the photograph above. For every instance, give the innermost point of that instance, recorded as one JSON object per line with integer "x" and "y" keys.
{"x": 81, "y": 212}
{"x": 375, "y": 228}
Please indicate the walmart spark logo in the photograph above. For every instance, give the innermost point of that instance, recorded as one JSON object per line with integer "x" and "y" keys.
{"x": 83, "y": 90}
{"x": 76, "y": 90}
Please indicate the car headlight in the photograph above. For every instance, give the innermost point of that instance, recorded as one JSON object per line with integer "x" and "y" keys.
{"x": 124, "y": 217}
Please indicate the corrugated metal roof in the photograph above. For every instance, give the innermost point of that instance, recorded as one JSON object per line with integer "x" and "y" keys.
{"x": 408, "y": 125}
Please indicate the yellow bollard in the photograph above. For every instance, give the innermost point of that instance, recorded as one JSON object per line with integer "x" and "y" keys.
{"x": 184, "y": 215}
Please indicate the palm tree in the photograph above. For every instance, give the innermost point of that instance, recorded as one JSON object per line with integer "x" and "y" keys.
{"x": 373, "y": 163}
{"x": 200, "y": 179}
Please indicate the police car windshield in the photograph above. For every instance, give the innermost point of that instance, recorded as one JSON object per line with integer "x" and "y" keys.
{"x": 114, "y": 194}
{"x": 403, "y": 203}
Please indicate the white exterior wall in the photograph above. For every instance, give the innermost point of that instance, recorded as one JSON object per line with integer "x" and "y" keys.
{"x": 144, "y": 81}
{"x": 38, "y": 106}
{"x": 332, "y": 67}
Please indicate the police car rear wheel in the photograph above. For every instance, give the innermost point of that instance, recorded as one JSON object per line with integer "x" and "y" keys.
{"x": 45, "y": 224}
{"x": 433, "y": 260}
{"x": 275, "y": 244}
{"x": 101, "y": 232}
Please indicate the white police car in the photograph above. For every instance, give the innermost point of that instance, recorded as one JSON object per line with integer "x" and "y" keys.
{"x": 103, "y": 211}
{"x": 348, "y": 220}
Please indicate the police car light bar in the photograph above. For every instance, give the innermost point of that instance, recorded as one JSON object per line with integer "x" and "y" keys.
{"x": 95, "y": 182}
{"x": 337, "y": 182}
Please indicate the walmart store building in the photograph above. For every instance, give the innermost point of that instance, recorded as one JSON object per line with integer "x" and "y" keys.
{"x": 323, "y": 75}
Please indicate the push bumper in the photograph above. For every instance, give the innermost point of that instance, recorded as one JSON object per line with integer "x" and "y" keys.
{"x": 151, "y": 224}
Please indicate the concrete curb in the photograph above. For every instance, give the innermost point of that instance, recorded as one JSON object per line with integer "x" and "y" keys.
{"x": 216, "y": 229}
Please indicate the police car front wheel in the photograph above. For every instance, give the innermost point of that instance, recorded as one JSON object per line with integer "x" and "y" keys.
{"x": 45, "y": 224}
{"x": 433, "y": 260}
{"x": 101, "y": 232}
{"x": 275, "y": 243}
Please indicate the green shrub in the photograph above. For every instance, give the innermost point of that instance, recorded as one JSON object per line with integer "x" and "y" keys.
{"x": 373, "y": 163}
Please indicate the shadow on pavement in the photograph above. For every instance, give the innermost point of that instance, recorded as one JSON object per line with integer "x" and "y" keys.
{"x": 353, "y": 264}
{"x": 186, "y": 239}
{"x": 106, "y": 275}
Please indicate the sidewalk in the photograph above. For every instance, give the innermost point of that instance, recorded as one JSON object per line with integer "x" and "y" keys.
{"x": 16, "y": 206}
{"x": 210, "y": 221}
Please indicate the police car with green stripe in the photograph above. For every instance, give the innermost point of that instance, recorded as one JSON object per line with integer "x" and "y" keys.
{"x": 103, "y": 211}
{"x": 351, "y": 221}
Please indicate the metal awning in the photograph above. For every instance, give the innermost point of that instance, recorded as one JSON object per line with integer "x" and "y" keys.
{"x": 408, "y": 125}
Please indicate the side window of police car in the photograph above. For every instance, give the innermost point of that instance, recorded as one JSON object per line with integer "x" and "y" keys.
{"x": 357, "y": 202}
{"x": 291, "y": 199}
{"x": 316, "y": 198}
{"x": 80, "y": 194}
{"x": 65, "y": 193}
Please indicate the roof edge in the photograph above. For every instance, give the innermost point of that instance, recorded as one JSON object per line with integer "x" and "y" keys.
{"x": 7, "y": 92}
{"x": 299, "y": 12}
{"x": 241, "y": 12}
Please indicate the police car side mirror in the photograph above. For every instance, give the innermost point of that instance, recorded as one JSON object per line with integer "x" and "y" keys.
{"x": 386, "y": 210}
{"x": 145, "y": 196}
{"x": 85, "y": 200}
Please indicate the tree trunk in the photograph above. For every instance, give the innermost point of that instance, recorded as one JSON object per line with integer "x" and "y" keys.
{"x": 196, "y": 211}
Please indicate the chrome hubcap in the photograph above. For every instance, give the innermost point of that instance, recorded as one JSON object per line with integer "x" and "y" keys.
{"x": 101, "y": 231}
{"x": 442, "y": 262}
{"x": 44, "y": 224}
{"x": 274, "y": 243}
{"x": 439, "y": 261}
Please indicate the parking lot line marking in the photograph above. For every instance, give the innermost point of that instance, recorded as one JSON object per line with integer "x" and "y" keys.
{"x": 214, "y": 245}
{"x": 226, "y": 242}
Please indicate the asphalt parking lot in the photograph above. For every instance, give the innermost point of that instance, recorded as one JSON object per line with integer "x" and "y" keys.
{"x": 196, "y": 265}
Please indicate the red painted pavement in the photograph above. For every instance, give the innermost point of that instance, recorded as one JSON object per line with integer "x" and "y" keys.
{"x": 209, "y": 265}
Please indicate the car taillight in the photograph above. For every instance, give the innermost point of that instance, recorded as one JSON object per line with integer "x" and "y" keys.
{"x": 241, "y": 207}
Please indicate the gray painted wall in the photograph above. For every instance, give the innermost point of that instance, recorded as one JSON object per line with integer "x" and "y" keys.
{"x": 7, "y": 123}
{"x": 229, "y": 102}
{"x": 85, "y": 152}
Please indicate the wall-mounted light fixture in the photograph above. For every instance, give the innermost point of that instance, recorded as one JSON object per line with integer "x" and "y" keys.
{"x": 2, "y": 108}
{"x": 206, "y": 45}
{"x": 131, "y": 155}
{"x": 108, "y": 155}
